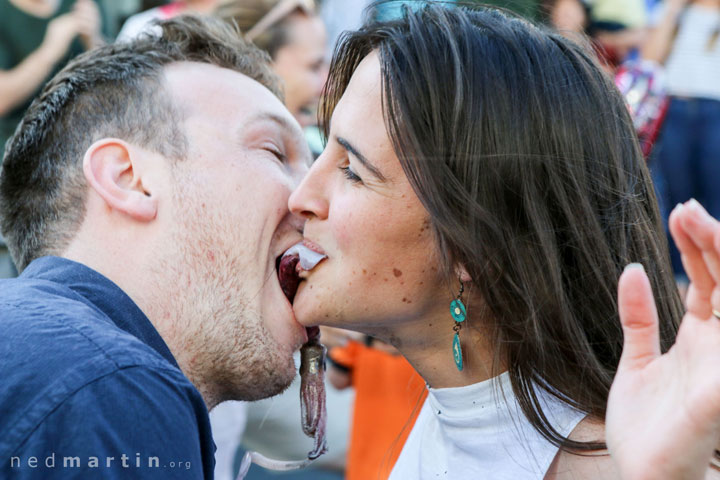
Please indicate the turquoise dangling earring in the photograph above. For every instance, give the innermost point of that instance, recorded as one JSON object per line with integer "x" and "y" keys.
{"x": 458, "y": 312}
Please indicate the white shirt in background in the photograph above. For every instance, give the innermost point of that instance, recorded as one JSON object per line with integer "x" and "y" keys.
{"x": 692, "y": 69}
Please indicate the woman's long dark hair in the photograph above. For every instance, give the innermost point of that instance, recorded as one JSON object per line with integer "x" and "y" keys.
{"x": 524, "y": 155}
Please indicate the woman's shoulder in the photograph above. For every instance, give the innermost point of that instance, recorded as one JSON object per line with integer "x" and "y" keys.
{"x": 592, "y": 465}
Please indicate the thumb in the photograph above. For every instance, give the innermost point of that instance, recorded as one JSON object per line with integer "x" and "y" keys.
{"x": 639, "y": 319}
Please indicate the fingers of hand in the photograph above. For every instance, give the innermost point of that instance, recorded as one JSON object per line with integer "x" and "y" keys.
{"x": 639, "y": 319}
{"x": 694, "y": 232}
{"x": 701, "y": 228}
{"x": 62, "y": 30}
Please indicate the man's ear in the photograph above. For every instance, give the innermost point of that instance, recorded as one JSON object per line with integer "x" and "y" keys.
{"x": 112, "y": 167}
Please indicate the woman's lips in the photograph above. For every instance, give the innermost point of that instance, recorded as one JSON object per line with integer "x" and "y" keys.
{"x": 313, "y": 246}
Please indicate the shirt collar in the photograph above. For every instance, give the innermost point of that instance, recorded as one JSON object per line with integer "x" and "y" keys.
{"x": 102, "y": 293}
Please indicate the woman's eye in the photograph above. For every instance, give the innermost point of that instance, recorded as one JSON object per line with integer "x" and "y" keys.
{"x": 350, "y": 175}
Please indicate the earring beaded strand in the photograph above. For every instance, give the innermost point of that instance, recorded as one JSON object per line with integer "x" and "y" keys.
{"x": 459, "y": 313}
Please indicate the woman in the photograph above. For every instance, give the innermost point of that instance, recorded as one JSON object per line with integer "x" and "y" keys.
{"x": 294, "y": 37}
{"x": 480, "y": 194}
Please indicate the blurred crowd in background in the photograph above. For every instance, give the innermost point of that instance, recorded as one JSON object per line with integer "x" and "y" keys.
{"x": 663, "y": 55}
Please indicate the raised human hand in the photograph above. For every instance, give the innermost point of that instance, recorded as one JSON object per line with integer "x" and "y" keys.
{"x": 59, "y": 35}
{"x": 663, "y": 418}
{"x": 89, "y": 21}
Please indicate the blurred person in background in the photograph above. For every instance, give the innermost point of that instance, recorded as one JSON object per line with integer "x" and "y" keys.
{"x": 568, "y": 17}
{"x": 687, "y": 159}
{"x": 294, "y": 36}
{"x": 37, "y": 38}
{"x": 617, "y": 27}
{"x": 617, "y": 31}
{"x": 140, "y": 22}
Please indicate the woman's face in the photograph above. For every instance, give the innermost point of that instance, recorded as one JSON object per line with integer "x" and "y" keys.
{"x": 361, "y": 211}
{"x": 301, "y": 65}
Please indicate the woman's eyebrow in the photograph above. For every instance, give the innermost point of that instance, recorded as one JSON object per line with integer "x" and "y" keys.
{"x": 366, "y": 163}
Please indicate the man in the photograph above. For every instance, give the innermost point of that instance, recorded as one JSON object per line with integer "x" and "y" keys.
{"x": 145, "y": 200}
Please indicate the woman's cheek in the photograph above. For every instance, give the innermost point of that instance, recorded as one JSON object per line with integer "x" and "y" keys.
{"x": 342, "y": 229}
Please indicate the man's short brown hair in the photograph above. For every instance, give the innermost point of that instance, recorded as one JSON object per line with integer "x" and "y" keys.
{"x": 113, "y": 91}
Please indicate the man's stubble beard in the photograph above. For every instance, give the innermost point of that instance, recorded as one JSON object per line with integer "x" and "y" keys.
{"x": 219, "y": 338}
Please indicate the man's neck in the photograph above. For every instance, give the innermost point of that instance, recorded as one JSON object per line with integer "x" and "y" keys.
{"x": 161, "y": 311}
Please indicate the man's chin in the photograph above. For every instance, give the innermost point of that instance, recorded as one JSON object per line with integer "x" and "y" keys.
{"x": 272, "y": 385}
{"x": 267, "y": 375}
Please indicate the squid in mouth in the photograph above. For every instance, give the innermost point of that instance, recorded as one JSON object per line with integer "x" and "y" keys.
{"x": 313, "y": 409}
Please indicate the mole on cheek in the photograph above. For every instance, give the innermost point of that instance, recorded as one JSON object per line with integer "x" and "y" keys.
{"x": 397, "y": 272}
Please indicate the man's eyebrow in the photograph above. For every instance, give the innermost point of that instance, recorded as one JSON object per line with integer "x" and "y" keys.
{"x": 289, "y": 130}
{"x": 366, "y": 163}
{"x": 282, "y": 122}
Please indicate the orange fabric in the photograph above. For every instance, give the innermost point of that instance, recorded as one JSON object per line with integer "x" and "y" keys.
{"x": 388, "y": 397}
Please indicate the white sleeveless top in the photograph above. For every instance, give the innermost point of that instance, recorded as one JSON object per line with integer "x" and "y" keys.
{"x": 477, "y": 432}
{"x": 693, "y": 70}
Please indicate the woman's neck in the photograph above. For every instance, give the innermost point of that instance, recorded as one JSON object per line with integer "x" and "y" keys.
{"x": 427, "y": 344}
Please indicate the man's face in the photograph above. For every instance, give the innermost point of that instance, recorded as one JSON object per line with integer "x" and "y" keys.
{"x": 229, "y": 220}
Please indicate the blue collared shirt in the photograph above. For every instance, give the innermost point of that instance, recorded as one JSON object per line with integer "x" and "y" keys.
{"x": 88, "y": 388}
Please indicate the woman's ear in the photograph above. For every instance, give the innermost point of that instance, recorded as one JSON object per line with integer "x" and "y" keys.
{"x": 463, "y": 274}
{"x": 113, "y": 170}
